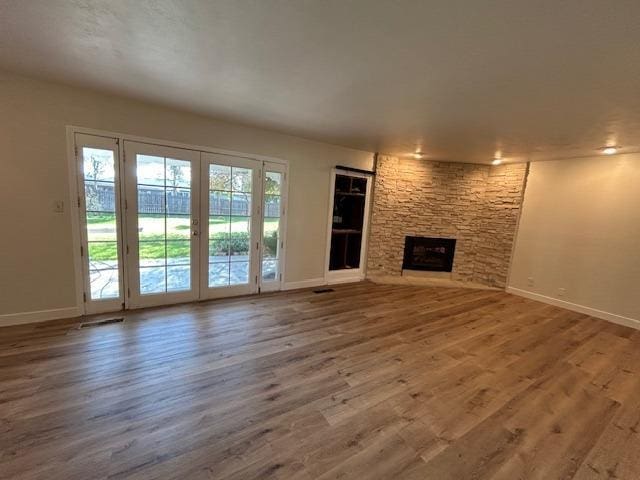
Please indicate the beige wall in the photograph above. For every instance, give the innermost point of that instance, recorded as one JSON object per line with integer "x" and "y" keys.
{"x": 580, "y": 230}
{"x": 36, "y": 267}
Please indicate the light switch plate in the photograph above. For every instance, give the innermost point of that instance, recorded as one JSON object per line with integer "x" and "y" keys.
{"x": 58, "y": 206}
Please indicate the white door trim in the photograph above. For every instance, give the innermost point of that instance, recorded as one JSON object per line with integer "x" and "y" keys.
{"x": 351, "y": 275}
{"x": 254, "y": 242}
{"x": 71, "y": 130}
{"x": 89, "y": 305}
{"x": 76, "y": 239}
{"x": 168, "y": 143}
{"x": 135, "y": 296}
{"x": 277, "y": 284}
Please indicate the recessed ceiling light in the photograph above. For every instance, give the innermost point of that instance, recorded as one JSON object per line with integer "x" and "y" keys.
{"x": 496, "y": 161}
{"x": 610, "y": 150}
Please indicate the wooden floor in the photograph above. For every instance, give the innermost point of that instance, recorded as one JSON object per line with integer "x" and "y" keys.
{"x": 367, "y": 382}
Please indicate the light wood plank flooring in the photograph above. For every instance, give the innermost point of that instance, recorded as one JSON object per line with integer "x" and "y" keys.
{"x": 367, "y": 382}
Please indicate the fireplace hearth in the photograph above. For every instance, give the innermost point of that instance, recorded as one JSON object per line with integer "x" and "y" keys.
{"x": 428, "y": 254}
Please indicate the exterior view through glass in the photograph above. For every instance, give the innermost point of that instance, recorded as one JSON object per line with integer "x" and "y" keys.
{"x": 101, "y": 224}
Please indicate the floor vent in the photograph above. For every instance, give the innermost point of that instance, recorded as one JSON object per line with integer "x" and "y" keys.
{"x": 100, "y": 323}
{"x": 324, "y": 290}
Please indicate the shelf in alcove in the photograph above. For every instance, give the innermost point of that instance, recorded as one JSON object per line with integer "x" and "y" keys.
{"x": 350, "y": 194}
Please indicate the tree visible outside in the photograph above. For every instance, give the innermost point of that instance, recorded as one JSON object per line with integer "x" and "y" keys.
{"x": 94, "y": 167}
{"x": 174, "y": 176}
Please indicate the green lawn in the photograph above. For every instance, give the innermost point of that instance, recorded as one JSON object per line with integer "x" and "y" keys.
{"x": 101, "y": 228}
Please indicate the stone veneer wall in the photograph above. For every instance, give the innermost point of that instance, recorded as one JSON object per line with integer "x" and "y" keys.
{"x": 476, "y": 204}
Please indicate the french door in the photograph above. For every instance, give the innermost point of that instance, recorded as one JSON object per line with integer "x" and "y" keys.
{"x": 99, "y": 206}
{"x": 231, "y": 212}
{"x": 162, "y": 223}
{"x": 273, "y": 224}
{"x": 168, "y": 225}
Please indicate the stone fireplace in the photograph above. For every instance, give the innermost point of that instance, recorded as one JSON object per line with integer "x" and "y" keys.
{"x": 477, "y": 205}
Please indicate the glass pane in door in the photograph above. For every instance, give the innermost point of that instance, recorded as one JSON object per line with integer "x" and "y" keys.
{"x": 164, "y": 224}
{"x": 101, "y": 223}
{"x": 271, "y": 225}
{"x": 229, "y": 225}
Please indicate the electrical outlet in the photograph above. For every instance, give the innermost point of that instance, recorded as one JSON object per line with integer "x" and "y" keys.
{"x": 561, "y": 292}
{"x": 58, "y": 206}
{"x": 530, "y": 282}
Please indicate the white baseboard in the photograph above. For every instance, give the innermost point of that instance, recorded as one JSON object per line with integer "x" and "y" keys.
{"x": 312, "y": 282}
{"x": 338, "y": 280}
{"x": 611, "y": 317}
{"x": 38, "y": 316}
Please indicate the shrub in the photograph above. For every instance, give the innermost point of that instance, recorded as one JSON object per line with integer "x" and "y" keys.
{"x": 221, "y": 243}
{"x": 238, "y": 243}
{"x": 271, "y": 243}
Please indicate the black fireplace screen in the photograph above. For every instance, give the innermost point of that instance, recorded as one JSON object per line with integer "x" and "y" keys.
{"x": 431, "y": 254}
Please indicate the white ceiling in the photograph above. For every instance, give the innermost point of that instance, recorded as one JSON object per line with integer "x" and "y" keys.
{"x": 459, "y": 79}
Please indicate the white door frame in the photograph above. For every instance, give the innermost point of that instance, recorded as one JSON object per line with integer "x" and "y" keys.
{"x": 71, "y": 130}
{"x": 79, "y": 220}
{"x": 277, "y": 283}
{"x": 136, "y": 298}
{"x": 353, "y": 274}
{"x": 255, "y": 228}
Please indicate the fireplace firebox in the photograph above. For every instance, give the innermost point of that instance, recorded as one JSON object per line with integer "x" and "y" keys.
{"x": 430, "y": 254}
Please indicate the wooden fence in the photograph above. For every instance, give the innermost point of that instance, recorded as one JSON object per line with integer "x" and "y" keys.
{"x": 156, "y": 200}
